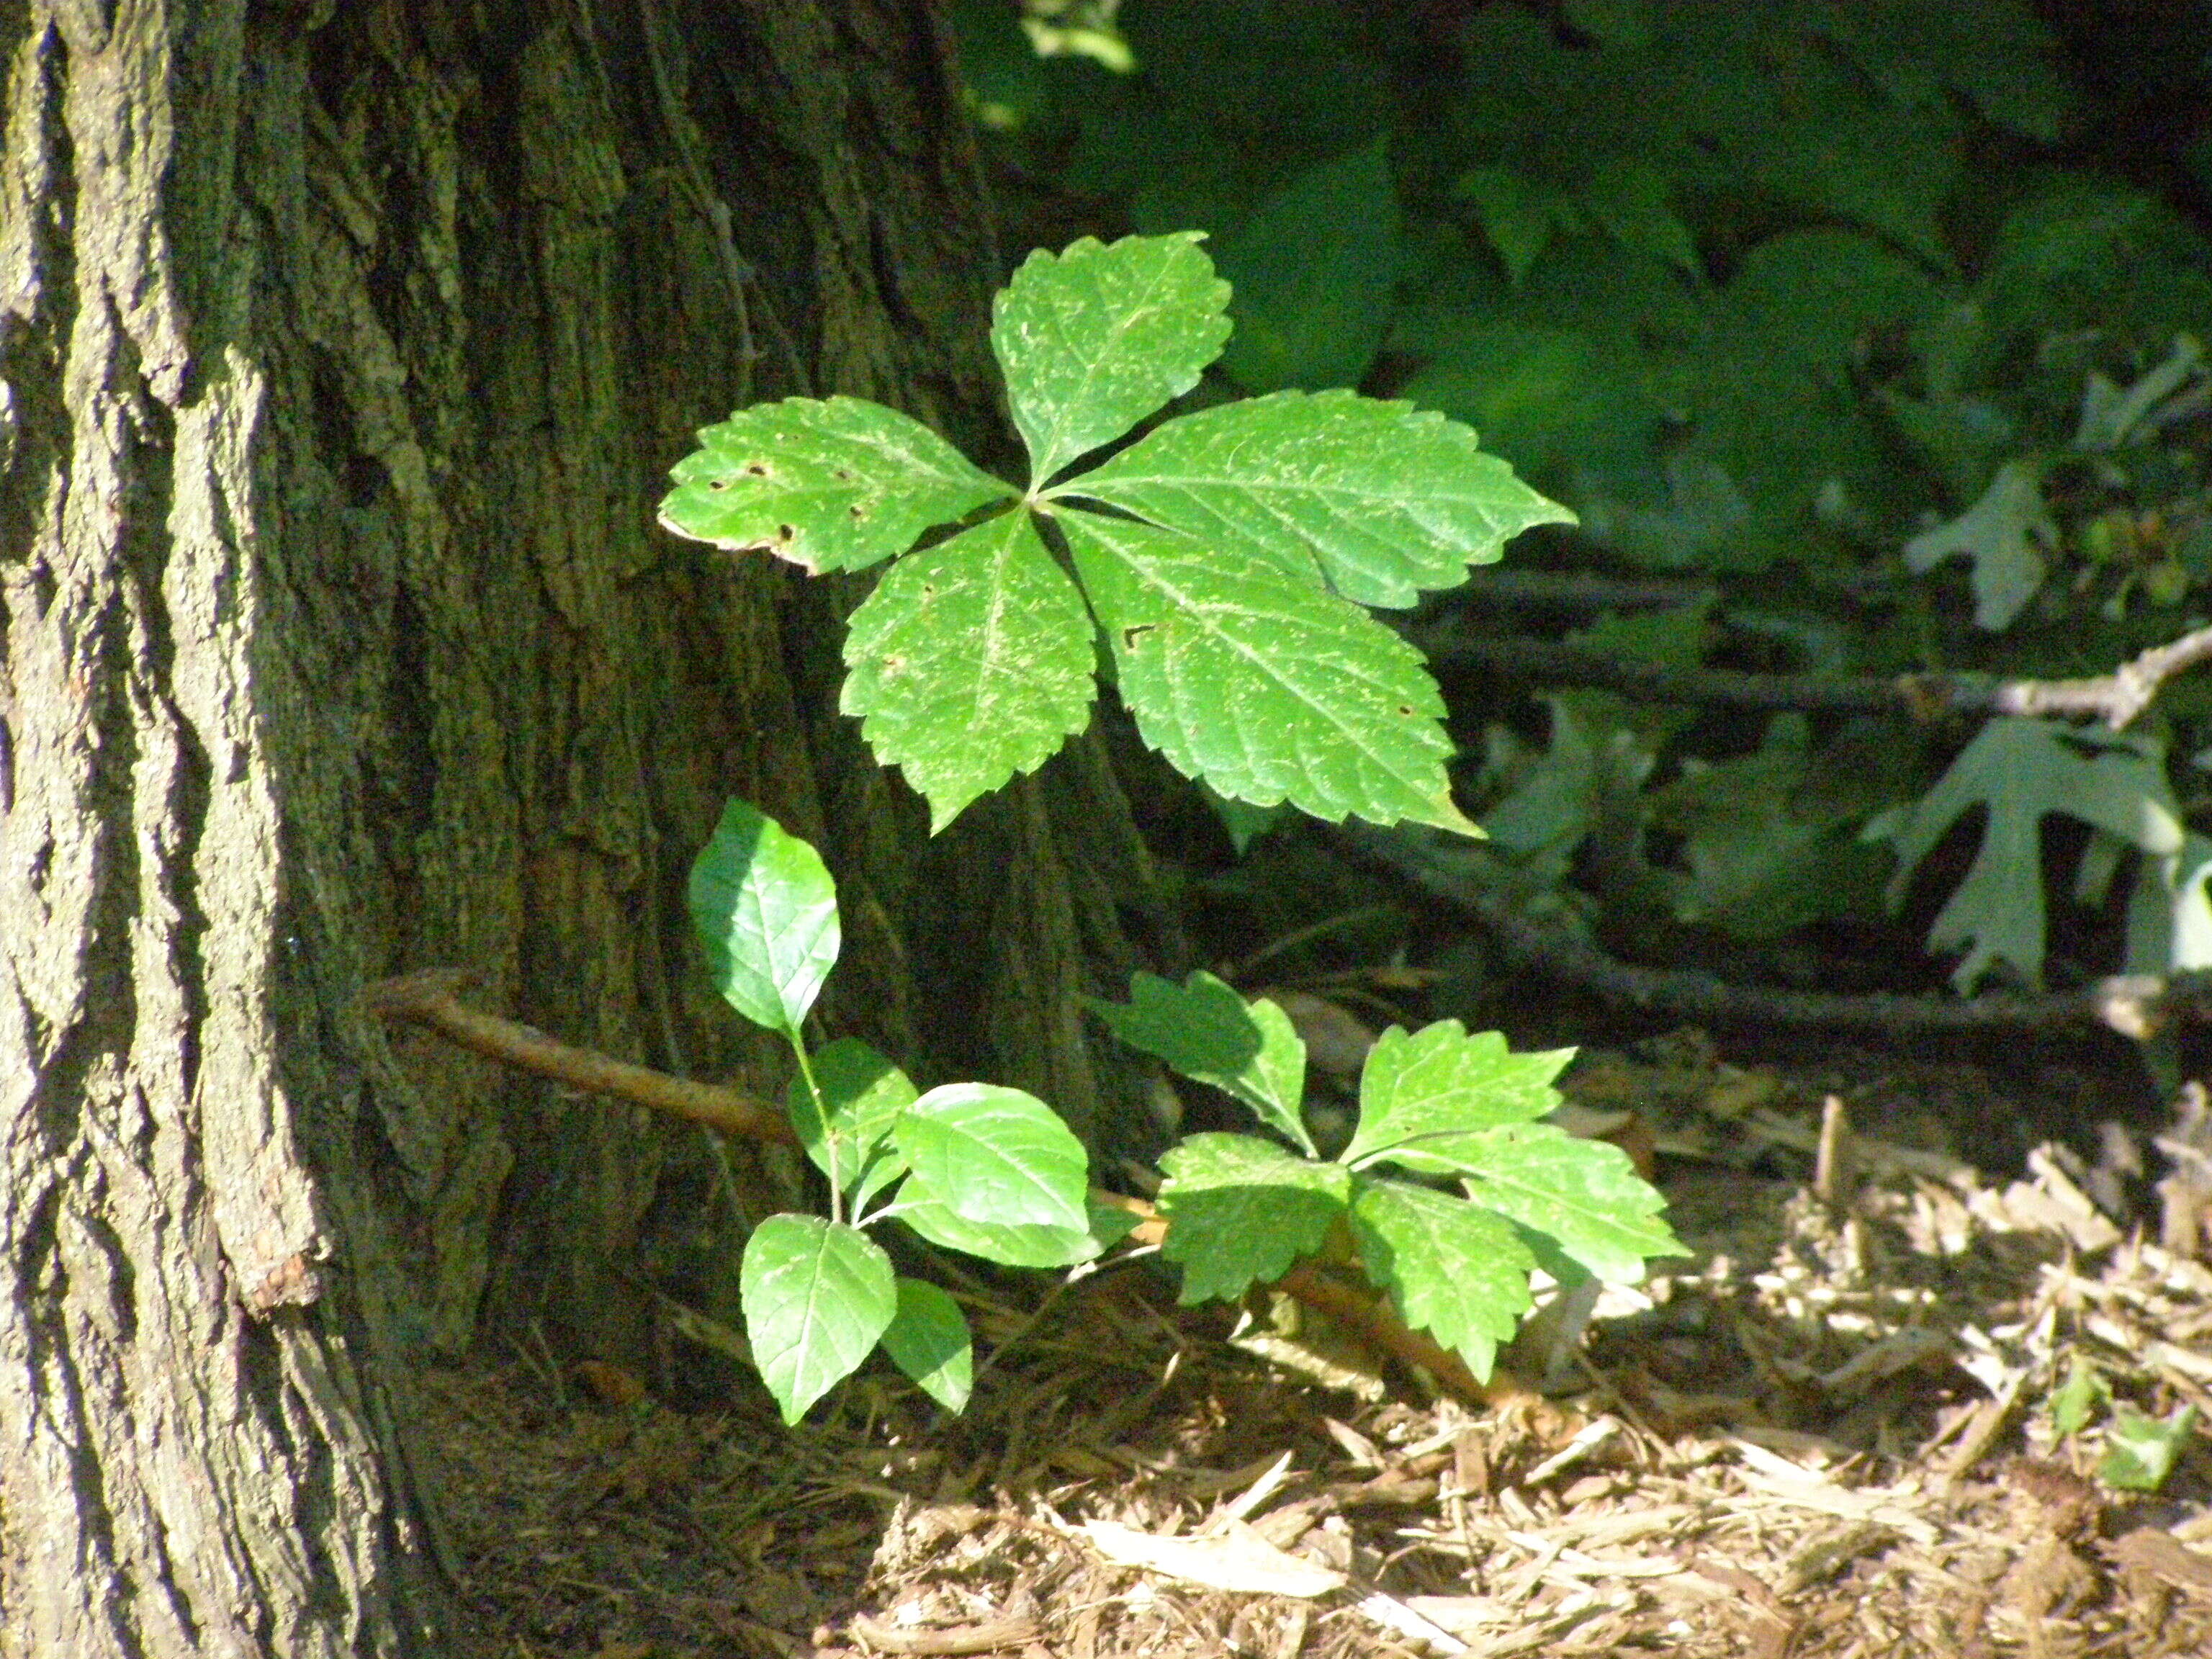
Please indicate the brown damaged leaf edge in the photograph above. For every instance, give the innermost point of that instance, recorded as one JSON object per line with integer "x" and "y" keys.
{"x": 432, "y": 999}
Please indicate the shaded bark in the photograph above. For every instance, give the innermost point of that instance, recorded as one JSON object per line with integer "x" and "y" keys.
{"x": 342, "y": 353}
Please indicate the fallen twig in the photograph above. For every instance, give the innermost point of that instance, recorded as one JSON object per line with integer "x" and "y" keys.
{"x": 2134, "y": 1005}
{"x": 431, "y": 997}
{"x": 2116, "y": 698}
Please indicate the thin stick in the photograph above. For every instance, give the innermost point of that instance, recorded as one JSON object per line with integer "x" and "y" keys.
{"x": 2116, "y": 698}
{"x": 432, "y": 998}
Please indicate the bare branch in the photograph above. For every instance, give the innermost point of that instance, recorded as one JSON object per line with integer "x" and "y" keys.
{"x": 2134, "y": 1005}
{"x": 2118, "y": 698}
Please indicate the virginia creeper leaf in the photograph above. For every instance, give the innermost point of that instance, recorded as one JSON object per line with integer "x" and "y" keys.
{"x": 1096, "y": 337}
{"x": 1381, "y": 499}
{"x": 864, "y": 1093}
{"x": 1440, "y": 1081}
{"x": 833, "y": 484}
{"x": 1458, "y": 1272}
{"x": 971, "y": 660}
{"x": 1244, "y": 1210}
{"x": 1267, "y": 688}
{"x": 927, "y": 1339}
{"x": 994, "y": 1155}
{"x": 816, "y": 1297}
{"x": 766, "y": 911}
{"x": 1208, "y": 1032}
{"x": 1585, "y": 1195}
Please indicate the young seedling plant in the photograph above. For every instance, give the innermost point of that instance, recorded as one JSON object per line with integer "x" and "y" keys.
{"x": 1223, "y": 559}
{"x": 994, "y": 1173}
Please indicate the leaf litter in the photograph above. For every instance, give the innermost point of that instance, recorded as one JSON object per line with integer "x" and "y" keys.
{"x": 1830, "y": 1434}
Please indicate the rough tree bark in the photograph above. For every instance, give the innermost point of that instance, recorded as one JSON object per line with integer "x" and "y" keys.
{"x": 342, "y": 351}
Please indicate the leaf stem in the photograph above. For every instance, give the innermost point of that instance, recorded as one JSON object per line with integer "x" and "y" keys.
{"x": 821, "y": 1115}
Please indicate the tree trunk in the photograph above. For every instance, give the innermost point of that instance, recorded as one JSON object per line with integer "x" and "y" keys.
{"x": 343, "y": 351}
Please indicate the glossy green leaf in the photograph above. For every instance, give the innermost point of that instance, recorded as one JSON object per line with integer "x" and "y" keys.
{"x": 1314, "y": 269}
{"x": 816, "y": 1297}
{"x": 1267, "y": 688}
{"x": 1244, "y": 1212}
{"x": 972, "y": 660}
{"x": 927, "y": 1339}
{"x": 1012, "y": 1246}
{"x": 766, "y": 911}
{"x": 1208, "y": 1032}
{"x": 1379, "y": 499}
{"x": 1583, "y": 1195}
{"x": 1094, "y": 338}
{"x": 1440, "y": 1081}
{"x": 833, "y": 484}
{"x": 864, "y": 1093}
{"x": 1459, "y": 1272}
{"x": 995, "y": 1155}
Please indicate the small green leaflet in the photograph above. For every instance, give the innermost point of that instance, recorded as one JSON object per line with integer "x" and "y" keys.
{"x": 1380, "y": 499}
{"x": 994, "y": 1154}
{"x": 766, "y": 911}
{"x": 971, "y": 661}
{"x": 1459, "y": 1272}
{"x": 1013, "y": 1246}
{"x": 2018, "y": 770}
{"x": 829, "y": 484}
{"x": 1208, "y": 1032}
{"x": 928, "y": 1340}
{"x": 1244, "y": 1210}
{"x": 2141, "y": 1450}
{"x": 1440, "y": 1081}
{"x": 1267, "y": 688}
{"x": 1093, "y": 339}
{"x": 864, "y": 1093}
{"x": 815, "y": 1297}
{"x": 1583, "y": 1195}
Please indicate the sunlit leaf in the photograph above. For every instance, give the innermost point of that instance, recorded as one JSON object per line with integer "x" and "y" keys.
{"x": 766, "y": 911}
{"x": 833, "y": 484}
{"x": 815, "y": 1297}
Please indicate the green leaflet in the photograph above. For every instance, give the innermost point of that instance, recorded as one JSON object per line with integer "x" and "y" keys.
{"x": 995, "y": 1155}
{"x": 829, "y": 484}
{"x": 1583, "y": 1195}
{"x": 816, "y": 1297}
{"x": 1459, "y": 1272}
{"x": 1208, "y": 1032}
{"x": 766, "y": 911}
{"x": 1381, "y": 500}
{"x": 864, "y": 1093}
{"x": 1094, "y": 338}
{"x": 1244, "y": 1212}
{"x": 1439, "y": 1081}
{"x": 971, "y": 661}
{"x": 1013, "y": 1245}
{"x": 927, "y": 1339}
{"x": 1267, "y": 688}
